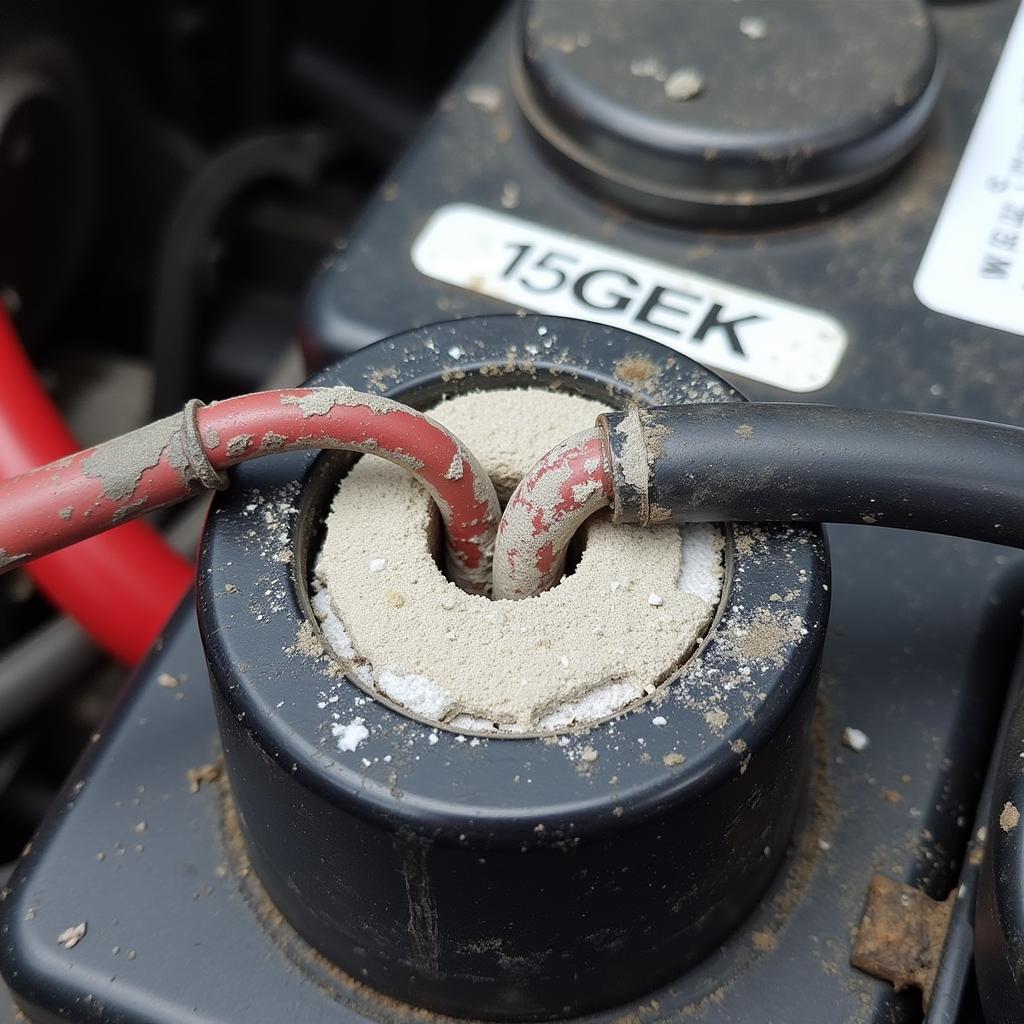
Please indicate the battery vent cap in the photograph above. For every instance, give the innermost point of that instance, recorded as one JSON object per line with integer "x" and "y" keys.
{"x": 725, "y": 112}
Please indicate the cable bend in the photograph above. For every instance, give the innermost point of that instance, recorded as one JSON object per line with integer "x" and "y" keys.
{"x": 173, "y": 458}
{"x": 565, "y": 488}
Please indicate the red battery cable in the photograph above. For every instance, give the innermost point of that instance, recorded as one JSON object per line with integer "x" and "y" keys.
{"x": 566, "y": 487}
{"x": 122, "y": 586}
{"x": 171, "y": 459}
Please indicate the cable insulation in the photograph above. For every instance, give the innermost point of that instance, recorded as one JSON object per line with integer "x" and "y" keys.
{"x": 173, "y": 458}
{"x": 552, "y": 501}
{"x": 121, "y": 587}
{"x": 776, "y": 462}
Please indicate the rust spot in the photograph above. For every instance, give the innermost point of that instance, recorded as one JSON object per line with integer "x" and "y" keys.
{"x": 638, "y": 371}
{"x": 901, "y": 935}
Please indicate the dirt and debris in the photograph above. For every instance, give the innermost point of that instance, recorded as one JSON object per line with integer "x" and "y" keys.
{"x": 648, "y": 67}
{"x": 272, "y": 441}
{"x": 128, "y": 510}
{"x": 71, "y": 937}
{"x": 205, "y": 773}
{"x": 1009, "y": 817}
{"x": 119, "y": 464}
{"x": 485, "y": 97}
{"x": 456, "y": 469}
{"x": 167, "y": 681}
{"x": 510, "y": 193}
{"x": 315, "y": 402}
{"x": 634, "y": 460}
{"x": 309, "y": 642}
{"x": 684, "y": 84}
{"x": 382, "y": 378}
{"x": 753, "y": 27}
{"x": 638, "y": 371}
{"x": 765, "y": 636}
{"x": 855, "y": 740}
{"x": 673, "y": 760}
{"x": 901, "y": 935}
{"x": 717, "y": 719}
{"x": 238, "y": 444}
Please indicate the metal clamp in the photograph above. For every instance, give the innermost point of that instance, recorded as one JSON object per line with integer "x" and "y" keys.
{"x": 200, "y": 467}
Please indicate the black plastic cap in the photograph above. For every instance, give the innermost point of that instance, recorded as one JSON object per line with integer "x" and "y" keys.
{"x": 728, "y": 112}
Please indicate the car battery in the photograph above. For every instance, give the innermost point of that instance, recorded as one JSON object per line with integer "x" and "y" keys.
{"x": 817, "y": 202}
{"x": 768, "y": 189}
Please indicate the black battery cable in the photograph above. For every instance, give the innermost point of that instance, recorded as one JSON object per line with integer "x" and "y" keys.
{"x": 778, "y": 462}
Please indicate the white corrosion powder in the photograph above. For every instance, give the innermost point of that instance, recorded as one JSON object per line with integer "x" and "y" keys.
{"x": 350, "y": 736}
{"x": 584, "y": 650}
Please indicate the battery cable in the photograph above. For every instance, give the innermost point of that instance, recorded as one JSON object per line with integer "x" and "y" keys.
{"x": 774, "y": 462}
{"x": 172, "y": 459}
{"x": 746, "y": 462}
{"x": 120, "y": 587}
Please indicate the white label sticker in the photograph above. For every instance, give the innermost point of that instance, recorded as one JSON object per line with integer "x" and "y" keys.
{"x": 548, "y": 271}
{"x": 973, "y": 268}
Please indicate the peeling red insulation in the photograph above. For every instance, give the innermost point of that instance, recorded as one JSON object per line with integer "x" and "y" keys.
{"x": 167, "y": 461}
{"x": 120, "y": 587}
{"x": 565, "y": 488}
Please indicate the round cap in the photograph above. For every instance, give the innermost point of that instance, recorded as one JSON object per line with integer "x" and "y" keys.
{"x": 728, "y": 111}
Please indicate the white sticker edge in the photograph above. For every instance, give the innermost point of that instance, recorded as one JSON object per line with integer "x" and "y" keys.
{"x": 928, "y": 286}
{"x": 713, "y": 286}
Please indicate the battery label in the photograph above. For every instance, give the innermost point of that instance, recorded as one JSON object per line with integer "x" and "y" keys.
{"x": 546, "y": 271}
{"x": 973, "y": 268}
